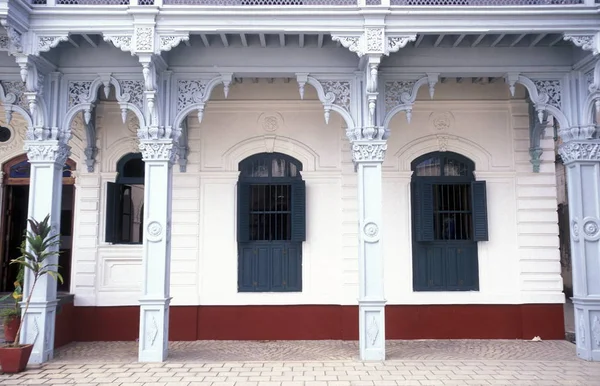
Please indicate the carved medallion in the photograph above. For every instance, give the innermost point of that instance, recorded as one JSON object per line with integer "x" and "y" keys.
{"x": 270, "y": 122}
{"x": 154, "y": 231}
{"x": 371, "y": 232}
{"x": 591, "y": 228}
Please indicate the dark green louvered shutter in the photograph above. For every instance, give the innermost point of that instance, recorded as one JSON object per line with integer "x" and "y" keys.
{"x": 113, "y": 200}
{"x": 480, "y": 218}
{"x": 298, "y": 211}
{"x": 243, "y": 207}
{"x": 423, "y": 211}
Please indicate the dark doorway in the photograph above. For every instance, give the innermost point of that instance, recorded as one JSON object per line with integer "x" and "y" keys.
{"x": 14, "y": 221}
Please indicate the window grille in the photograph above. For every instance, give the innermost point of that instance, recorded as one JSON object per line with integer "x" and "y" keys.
{"x": 270, "y": 212}
{"x": 452, "y": 212}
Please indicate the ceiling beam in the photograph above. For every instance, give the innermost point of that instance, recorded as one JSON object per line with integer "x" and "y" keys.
{"x": 224, "y": 40}
{"x": 478, "y": 40}
{"x": 419, "y": 40}
{"x": 498, "y": 40}
{"x": 517, "y": 40}
{"x": 556, "y": 41}
{"x": 459, "y": 40}
{"x": 205, "y": 40}
{"x": 244, "y": 40}
{"x": 537, "y": 40}
{"x": 301, "y": 40}
{"x": 320, "y": 40}
{"x": 282, "y": 39}
{"x": 89, "y": 40}
{"x": 263, "y": 41}
{"x": 459, "y": 80}
{"x": 73, "y": 43}
{"x": 439, "y": 40}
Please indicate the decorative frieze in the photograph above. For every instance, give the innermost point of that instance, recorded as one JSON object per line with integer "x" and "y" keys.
{"x": 144, "y": 39}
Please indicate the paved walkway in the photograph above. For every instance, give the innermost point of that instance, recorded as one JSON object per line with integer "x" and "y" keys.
{"x": 317, "y": 363}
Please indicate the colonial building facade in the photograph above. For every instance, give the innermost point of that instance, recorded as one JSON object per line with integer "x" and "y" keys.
{"x": 302, "y": 169}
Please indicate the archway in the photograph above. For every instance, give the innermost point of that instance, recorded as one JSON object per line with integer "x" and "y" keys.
{"x": 13, "y": 223}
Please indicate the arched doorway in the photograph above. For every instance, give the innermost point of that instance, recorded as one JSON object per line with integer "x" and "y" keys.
{"x": 14, "y": 205}
{"x": 271, "y": 223}
{"x": 449, "y": 218}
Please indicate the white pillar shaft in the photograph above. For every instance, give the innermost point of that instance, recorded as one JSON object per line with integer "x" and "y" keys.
{"x": 47, "y": 159}
{"x": 154, "y": 304}
{"x": 583, "y": 183}
{"x": 368, "y": 156}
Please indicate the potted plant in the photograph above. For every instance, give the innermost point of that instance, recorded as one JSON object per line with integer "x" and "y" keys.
{"x": 11, "y": 317}
{"x": 40, "y": 244}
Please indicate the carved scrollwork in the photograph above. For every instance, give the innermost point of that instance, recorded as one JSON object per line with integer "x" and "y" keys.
{"x": 581, "y": 329}
{"x": 190, "y": 92}
{"x": 133, "y": 92}
{"x": 394, "y": 43}
{"x": 166, "y": 43}
{"x": 585, "y": 42}
{"x": 398, "y": 92}
{"x": 549, "y": 92}
{"x": 46, "y": 43}
{"x": 79, "y": 92}
{"x": 374, "y": 39}
{"x": 15, "y": 93}
{"x": 352, "y": 43}
{"x": 123, "y": 42}
{"x": 372, "y": 331}
{"x": 144, "y": 39}
{"x": 337, "y": 93}
{"x": 596, "y": 331}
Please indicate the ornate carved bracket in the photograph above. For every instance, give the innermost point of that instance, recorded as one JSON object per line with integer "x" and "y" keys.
{"x": 90, "y": 150}
{"x": 12, "y": 41}
{"x": 183, "y": 148}
{"x": 195, "y": 93}
{"x": 401, "y": 94}
{"x": 373, "y": 41}
{"x": 145, "y": 40}
{"x": 536, "y": 132}
{"x": 585, "y": 42}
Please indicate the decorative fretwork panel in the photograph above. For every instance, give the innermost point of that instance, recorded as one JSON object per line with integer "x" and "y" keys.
{"x": 90, "y": 2}
{"x": 260, "y": 3}
{"x": 483, "y": 2}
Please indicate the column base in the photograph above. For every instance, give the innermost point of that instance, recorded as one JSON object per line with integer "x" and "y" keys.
{"x": 154, "y": 330}
{"x": 587, "y": 328}
{"x": 38, "y": 329}
{"x": 371, "y": 330}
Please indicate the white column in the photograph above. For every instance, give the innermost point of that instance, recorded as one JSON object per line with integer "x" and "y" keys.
{"x": 582, "y": 160}
{"x": 47, "y": 159}
{"x": 154, "y": 303}
{"x": 368, "y": 156}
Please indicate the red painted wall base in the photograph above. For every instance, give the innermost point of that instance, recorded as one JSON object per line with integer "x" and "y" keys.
{"x": 328, "y": 322}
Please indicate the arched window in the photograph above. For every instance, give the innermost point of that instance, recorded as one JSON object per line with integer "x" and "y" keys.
{"x": 271, "y": 223}
{"x": 124, "y": 200}
{"x": 449, "y": 218}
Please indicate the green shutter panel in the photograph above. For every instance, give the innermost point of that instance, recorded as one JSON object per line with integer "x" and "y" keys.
{"x": 479, "y": 208}
{"x": 243, "y": 207}
{"x": 423, "y": 211}
{"x": 298, "y": 211}
{"x": 246, "y": 263}
{"x": 113, "y": 200}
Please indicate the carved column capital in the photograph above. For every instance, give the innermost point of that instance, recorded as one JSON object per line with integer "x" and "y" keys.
{"x": 368, "y": 151}
{"x": 47, "y": 151}
{"x": 580, "y": 150}
{"x": 158, "y": 150}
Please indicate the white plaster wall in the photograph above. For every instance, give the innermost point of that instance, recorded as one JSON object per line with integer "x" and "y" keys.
{"x": 519, "y": 264}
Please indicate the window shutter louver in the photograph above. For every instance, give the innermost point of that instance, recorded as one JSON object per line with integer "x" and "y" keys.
{"x": 113, "y": 193}
{"x": 479, "y": 208}
{"x": 424, "y": 211}
{"x": 298, "y": 211}
{"x": 243, "y": 207}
